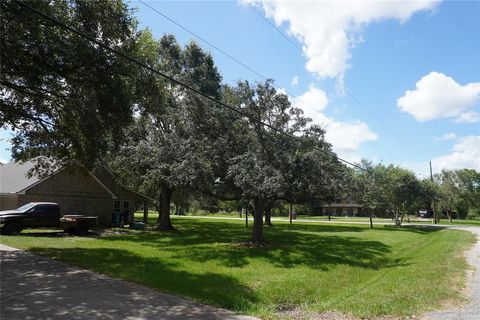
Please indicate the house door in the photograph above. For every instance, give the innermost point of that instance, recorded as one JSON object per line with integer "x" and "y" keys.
{"x": 121, "y": 212}
{"x": 117, "y": 212}
{"x": 126, "y": 211}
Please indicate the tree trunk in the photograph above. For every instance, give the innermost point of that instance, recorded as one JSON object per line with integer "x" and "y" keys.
{"x": 371, "y": 220}
{"x": 329, "y": 212}
{"x": 449, "y": 213}
{"x": 268, "y": 215}
{"x": 164, "y": 222}
{"x": 259, "y": 205}
{"x": 290, "y": 213}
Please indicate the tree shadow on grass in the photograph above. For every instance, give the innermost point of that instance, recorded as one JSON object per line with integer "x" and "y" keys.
{"x": 419, "y": 229}
{"x": 317, "y": 252}
{"x": 313, "y": 246}
{"x": 46, "y": 234}
{"x": 210, "y": 288}
{"x": 195, "y": 231}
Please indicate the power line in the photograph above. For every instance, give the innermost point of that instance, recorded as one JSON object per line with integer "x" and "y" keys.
{"x": 218, "y": 49}
{"x": 173, "y": 80}
{"x": 203, "y": 39}
{"x": 275, "y": 27}
{"x": 346, "y": 90}
{"x": 246, "y": 66}
{"x": 375, "y": 117}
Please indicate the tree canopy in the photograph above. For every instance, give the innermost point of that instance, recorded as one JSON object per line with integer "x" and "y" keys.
{"x": 65, "y": 97}
{"x": 69, "y": 99}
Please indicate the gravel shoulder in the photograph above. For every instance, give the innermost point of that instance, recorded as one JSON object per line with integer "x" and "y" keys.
{"x": 470, "y": 311}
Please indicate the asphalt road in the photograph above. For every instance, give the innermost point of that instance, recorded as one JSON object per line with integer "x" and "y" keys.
{"x": 35, "y": 287}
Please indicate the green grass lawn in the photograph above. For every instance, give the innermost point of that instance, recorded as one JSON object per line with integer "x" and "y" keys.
{"x": 311, "y": 267}
{"x": 444, "y": 221}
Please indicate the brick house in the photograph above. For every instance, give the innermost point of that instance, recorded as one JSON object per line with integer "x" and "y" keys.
{"x": 76, "y": 189}
{"x": 342, "y": 207}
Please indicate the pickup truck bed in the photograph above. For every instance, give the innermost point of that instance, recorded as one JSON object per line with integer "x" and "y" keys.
{"x": 78, "y": 224}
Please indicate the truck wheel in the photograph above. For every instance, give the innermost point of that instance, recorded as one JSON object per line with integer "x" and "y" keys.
{"x": 81, "y": 229}
{"x": 12, "y": 228}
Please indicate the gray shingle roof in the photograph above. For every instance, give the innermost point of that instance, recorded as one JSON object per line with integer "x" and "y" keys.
{"x": 13, "y": 177}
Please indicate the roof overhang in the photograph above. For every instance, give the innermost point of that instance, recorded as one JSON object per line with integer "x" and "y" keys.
{"x": 342, "y": 205}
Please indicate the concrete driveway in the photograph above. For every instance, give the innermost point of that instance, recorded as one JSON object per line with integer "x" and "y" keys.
{"x": 34, "y": 287}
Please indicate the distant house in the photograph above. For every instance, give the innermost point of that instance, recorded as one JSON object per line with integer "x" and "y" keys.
{"x": 76, "y": 189}
{"x": 342, "y": 207}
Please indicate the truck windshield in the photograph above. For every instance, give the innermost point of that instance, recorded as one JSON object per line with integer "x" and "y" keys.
{"x": 25, "y": 207}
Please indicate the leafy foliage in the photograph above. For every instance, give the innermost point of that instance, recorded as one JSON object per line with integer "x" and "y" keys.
{"x": 459, "y": 192}
{"x": 65, "y": 97}
{"x": 168, "y": 146}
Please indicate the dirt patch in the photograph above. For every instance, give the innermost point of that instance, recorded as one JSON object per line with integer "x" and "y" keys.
{"x": 286, "y": 312}
{"x": 471, "y": 310}
{"x": 250, "y": 244}
{"x": 111, "y": 232}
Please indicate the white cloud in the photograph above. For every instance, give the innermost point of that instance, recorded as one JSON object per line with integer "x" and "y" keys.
{"x": 294, "y": 81}
{"x": 445, "y": 137}
{"x": 345, "y": 137}
{"x": 3, "y": 161}
{"x": 465, "y": 154}
{"x": 440, "y": 96}
{"x": 313, "y": 102}
{"x": 329, "y": 30}
{"x": 282, "y": 91}
{"x": 468, "y": 117}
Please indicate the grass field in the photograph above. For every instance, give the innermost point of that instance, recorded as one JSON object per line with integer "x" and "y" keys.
{"x": 444, "y": 221}
{"x": 310, "y": 267}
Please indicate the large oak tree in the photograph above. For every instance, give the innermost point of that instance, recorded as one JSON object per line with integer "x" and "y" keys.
{"x": 65, "y": 97}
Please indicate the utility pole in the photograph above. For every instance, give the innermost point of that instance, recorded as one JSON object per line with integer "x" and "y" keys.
{"x": 435, "y": 220}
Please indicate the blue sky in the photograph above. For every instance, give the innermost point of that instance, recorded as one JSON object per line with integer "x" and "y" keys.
{"x": 373, "y": 51}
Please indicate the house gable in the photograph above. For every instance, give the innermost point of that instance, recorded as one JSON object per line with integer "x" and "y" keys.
{"x": 75, "y": 181}
{"x": 109, "y": 180}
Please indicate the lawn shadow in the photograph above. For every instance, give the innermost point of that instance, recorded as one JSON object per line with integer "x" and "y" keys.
{"x": 420, "y": 229}
{"x": 313, "y": 251}
{"x": 290, "y": 245}
{"x": 46, "y": 234}
{"x": 314, "y": 246}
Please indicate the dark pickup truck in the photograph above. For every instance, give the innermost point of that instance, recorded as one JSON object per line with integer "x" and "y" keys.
{"x": 43, "y": 215}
